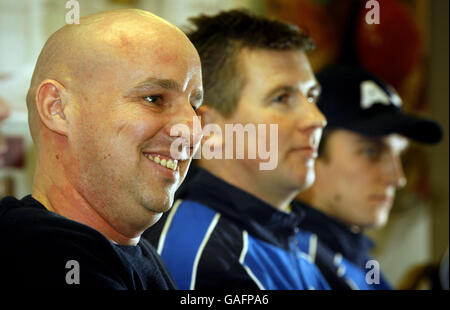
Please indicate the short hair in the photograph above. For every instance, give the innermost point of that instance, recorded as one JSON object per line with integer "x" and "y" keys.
{"x": 221, "y": 37}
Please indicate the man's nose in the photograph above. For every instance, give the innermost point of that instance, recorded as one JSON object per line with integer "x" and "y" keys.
{"x": 311, "y": 119}
{"x": 395, "y": 173}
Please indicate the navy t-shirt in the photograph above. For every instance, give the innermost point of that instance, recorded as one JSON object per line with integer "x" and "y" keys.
{"x": 39, "y": 248}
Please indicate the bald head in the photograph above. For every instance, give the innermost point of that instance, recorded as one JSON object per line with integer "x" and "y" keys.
{"x": 98, "y": 51}
{"x": 104, "y": 97}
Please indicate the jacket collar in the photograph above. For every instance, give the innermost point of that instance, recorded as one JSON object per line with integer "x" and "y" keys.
{"x": 334, "y": 234}
{"x": 260, "y": 219}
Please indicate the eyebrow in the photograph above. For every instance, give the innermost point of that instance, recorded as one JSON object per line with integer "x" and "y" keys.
{"x": 279, "y": 89}
{"x": 370, "y": 140}
{"x": 168, "y": 84}
{"x": 379, "y": 143}
{"x": 152, "y": 82}
{"x": 312, "y": 91}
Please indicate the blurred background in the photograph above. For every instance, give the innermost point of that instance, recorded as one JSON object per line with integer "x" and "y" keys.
{"x": 409, "y": 48}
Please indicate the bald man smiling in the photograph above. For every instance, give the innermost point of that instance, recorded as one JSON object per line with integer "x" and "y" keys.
{"x": 102, "y": 100}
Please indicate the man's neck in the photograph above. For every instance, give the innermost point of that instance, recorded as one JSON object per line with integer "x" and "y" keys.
{"x": 312, "y": 196}
{"x": 271, "y": 194}
{"x": 66, "y": 201}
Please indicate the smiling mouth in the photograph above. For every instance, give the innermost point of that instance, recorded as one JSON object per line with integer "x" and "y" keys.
{"x": 169, "y": 163}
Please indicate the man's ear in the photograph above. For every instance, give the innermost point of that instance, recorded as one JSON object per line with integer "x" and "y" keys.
{"x": 51, "y": 106}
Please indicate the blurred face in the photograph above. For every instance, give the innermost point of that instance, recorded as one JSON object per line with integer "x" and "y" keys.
{"x": 280, "y": 88}
{"x": 120, "y": 140}
{"x": 358, "y": 176}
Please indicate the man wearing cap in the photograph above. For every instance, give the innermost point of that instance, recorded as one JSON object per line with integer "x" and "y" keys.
{"x": 358, "y": 171}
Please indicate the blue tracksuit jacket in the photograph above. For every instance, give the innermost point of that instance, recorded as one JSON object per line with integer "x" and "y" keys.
{"x": 341, "y": 254}
{"x": 220, "y": 237}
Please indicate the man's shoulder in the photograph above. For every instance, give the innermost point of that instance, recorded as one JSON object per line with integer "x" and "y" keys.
{"x": 192, "y": 229}
{"x": 40, "y": 247}
{"x": 26, "y": 220}
{"x": 10, "y": 203}
{"x": 206, "y": 242}
{"x": 191, "y": 220}
{"x": 33, "y": 236}
{"x": 25, "y": 215}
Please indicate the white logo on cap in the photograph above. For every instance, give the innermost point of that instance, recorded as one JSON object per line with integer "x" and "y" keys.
{"x": 371, "y": 93}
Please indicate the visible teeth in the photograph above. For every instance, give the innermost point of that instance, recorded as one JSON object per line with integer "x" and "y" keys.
{"x": 168, "y": 163}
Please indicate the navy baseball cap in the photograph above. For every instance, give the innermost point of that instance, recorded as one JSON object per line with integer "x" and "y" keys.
{"x": 358, "y": 101}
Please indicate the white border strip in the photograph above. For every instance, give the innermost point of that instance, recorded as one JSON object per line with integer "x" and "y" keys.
{"x": 201, "y": 248}
{"x": 242, "y": 258}
{"x": 163, "y": 235}
{"x": 352, "y": 284}
{"x": 313, "y": 247}
{"x": 244, "y": 247}
{"x": 306, "y": 257}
